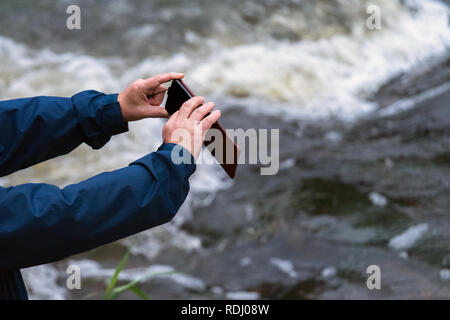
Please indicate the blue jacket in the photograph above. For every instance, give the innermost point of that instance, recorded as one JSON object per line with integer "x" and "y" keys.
{"x": 41, "y": 223}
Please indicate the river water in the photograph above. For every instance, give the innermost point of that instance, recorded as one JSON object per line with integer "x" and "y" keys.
{"x": 364, "y": 126}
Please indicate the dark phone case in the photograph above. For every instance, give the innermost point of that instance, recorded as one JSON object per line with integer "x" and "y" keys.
{"x": 177, "y": 94}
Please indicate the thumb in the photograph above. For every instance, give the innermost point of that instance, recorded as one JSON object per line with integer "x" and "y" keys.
{"x": 156, "y": 112}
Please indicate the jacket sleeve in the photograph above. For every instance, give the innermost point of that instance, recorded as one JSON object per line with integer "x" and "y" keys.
{"x": 36, "y": 129}
{"x": 40, "y": 223}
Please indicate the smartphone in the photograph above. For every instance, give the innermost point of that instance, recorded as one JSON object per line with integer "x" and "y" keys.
{"x": 227, "y": 155}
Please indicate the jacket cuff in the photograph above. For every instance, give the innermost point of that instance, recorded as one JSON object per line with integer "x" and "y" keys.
{"x": 99, "y": 113}
{"x": 112, "y": 115}
{"x": 167, "y": 151}
{"x": 182, "y": 153}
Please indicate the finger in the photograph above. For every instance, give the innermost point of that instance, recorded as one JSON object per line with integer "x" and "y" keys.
{"x": 165, "y": 77}
{"x": 210, "y": 120}
{"x": 199, "y": 113}
{"x": 158, "y": 99}
{"x": 155, "y": 81}
{"x": 156, "y": 96}
{"x": 189, "y": 106}
{"x": 157, "y": 90}
{"x": 158, "y": 112}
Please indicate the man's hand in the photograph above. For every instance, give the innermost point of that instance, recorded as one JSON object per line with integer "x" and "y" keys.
{"x": 188, "y": 126}
{"x": 142, "y": 98}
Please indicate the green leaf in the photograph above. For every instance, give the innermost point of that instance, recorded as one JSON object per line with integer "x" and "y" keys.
{"x": 119, "y": 290}
{"x": 139, "y": 292}
{"x": 112, "y": 292}
{"x": 113, "y": 281}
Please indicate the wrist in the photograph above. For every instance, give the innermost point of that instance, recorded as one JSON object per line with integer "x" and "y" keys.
{"x": 180, "y": 154}
{"x": 113, "y": 115}
{"x": 121, "y": 102}
{"x": 99, "y": 113}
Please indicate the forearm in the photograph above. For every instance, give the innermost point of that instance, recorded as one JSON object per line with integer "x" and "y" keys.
{"x": 40, "y": 128}
{"x": 40, "y": 223}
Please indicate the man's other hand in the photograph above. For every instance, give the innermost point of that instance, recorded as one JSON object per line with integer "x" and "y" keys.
{"x": 188, "y": 126}
{"x": 142, "y": 98}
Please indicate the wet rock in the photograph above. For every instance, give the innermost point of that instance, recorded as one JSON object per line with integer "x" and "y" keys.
{"x": 330, "y": 207}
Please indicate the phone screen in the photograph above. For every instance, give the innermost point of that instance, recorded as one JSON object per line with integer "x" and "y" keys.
{"x": 176, "y": 96}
